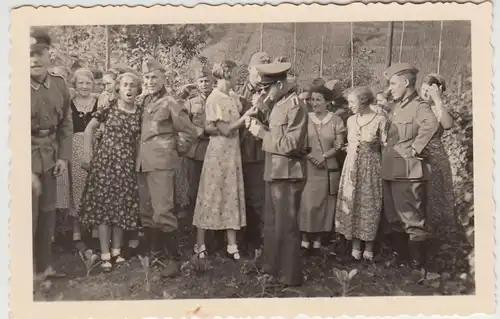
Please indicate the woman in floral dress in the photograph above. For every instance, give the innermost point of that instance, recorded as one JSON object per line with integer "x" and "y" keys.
{"x": 220, "y": 204}
{"x": 110, "y": 199}
{"x": 359, "y": 202}
{"x": 440, "y": 198}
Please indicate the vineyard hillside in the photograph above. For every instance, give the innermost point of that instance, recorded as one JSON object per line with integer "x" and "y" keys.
{"x": 420, "y": 46}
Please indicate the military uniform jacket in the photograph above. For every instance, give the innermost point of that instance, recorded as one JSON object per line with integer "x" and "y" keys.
{"x": 196, "y": 109}
{"x": 166, "y": 133}
{"x": 251, "y": 147}
{"x": 50, "y": 110}
{"x": 412, "y": 126}
{"x": 285, "y": 140}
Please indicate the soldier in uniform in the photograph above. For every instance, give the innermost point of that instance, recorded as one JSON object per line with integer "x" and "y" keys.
{"x": 51, "y": 147}
{"x": 405, "y": 168}
{"x": 164, "y": 119}
{"x": 195, "y": 106}
{"x": 284, "y": 141}
{"x": 252, "y": 157}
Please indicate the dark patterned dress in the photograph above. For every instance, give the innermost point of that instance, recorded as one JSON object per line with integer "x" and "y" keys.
{"x": 111, "y": 194}
{"x": 359, "y": 201}
{"x": 440, "y": 197}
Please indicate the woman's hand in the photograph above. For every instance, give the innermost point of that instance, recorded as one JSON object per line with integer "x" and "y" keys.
{"x": 36, "y": 185}
{"x": 86, "y": 159}
{"x": 98, "y": 133}
{"x": 319, "y": 163}
{"x": 435, "y": 94}
{"x": 250, "y": 112}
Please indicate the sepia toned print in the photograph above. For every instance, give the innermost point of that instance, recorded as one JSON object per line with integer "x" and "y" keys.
{"x": 262, "y": 159}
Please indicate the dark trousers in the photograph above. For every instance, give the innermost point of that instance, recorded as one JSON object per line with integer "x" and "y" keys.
{"x": 281, "y": 230}
{"x": 405, "y": 206}
{"x": 194, "y": 173}
{"x": 44, "y": 221}
{"x": 157, "y": 191}
{"x": 253, "y": 176}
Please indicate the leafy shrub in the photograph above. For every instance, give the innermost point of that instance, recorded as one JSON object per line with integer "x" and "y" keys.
{"x": 458, "y": 143}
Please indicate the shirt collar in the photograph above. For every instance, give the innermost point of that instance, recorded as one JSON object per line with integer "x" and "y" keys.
{"x": 36, "y": 85}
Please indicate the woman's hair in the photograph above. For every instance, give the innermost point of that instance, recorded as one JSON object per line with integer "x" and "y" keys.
{"x": 305, "y": 88}
{"x": 222, "y": 70}
{"x": 434, "y": 78}
{"x": 134, "y": 76}
{"x": 97, "y": 74}
{"x": 385, "y": 94}
{"x": 81, "y": 72}
{"x": 364, "y": 94}
{"x": 112, "y": 73}
{"x": 323, "y": 90}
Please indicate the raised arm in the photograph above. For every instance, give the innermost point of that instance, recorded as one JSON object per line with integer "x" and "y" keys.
{"x": 427, "y": 127}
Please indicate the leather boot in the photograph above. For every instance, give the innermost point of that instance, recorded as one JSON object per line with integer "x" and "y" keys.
{"x": 144, "y": 248}
{"x": 417, "y": 253}
{"x": 399, "y": 242}
{"x": 171, "y": 245}
{"x": 156, "y": 243}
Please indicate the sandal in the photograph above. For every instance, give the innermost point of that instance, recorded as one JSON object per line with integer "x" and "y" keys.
{"x": 356, "y": 254}
{"x": 368, "y": 255}
{"x": 106, "y": 265}
{"x": 201, "y": 252}
{"x": 234, "y": 255}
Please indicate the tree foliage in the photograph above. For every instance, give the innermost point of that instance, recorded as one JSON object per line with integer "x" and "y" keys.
{"x": 175, "y": 46}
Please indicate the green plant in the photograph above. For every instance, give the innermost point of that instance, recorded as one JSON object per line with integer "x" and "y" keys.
{"x": 344, "y": 279}
{"x": 90, "y": 260}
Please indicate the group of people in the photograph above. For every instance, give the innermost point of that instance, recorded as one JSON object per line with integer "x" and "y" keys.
{"x": 272, "y": 165}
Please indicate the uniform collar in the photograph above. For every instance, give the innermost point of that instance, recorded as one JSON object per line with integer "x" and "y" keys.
{"x": 36, "y": 85}
{"x": 154, "y": 96}
{"x": 408, "y": 99}
{"x": 286, "y": 98}
{"x": 250, "y": 87}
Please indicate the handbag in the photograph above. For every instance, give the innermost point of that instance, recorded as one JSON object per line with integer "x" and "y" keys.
{"x": 332, "y": 173}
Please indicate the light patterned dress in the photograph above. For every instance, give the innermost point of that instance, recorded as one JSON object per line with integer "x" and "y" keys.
{"x": 221, "y": 198}
{"x": 317, "y": 206}
{"x": 359, "y": 203}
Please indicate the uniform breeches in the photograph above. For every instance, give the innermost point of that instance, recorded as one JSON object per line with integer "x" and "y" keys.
{"x": 281, "y": 230}
{"x": 405, "y": 208}
{"x": 44, "y": 221}
{"x": 157, "y": 200}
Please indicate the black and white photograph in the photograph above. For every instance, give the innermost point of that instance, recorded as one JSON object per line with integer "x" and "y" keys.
{"x": 253, "y": 160}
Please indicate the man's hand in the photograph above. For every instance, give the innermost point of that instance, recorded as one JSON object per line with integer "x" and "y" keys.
{"x": 255, "y": 127}
{"x": 60, "y": 168}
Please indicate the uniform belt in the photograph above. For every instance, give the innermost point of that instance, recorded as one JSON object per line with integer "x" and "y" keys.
{"x": 43, "y": 133}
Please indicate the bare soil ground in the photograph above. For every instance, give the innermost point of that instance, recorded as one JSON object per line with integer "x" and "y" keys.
{"x": 326, "y": 275}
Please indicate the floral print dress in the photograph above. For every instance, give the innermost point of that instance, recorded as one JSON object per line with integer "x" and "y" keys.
{"x": 359, "y": 200}
{"x": 220, "y": 203}
{"x": 111, "y": 193}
